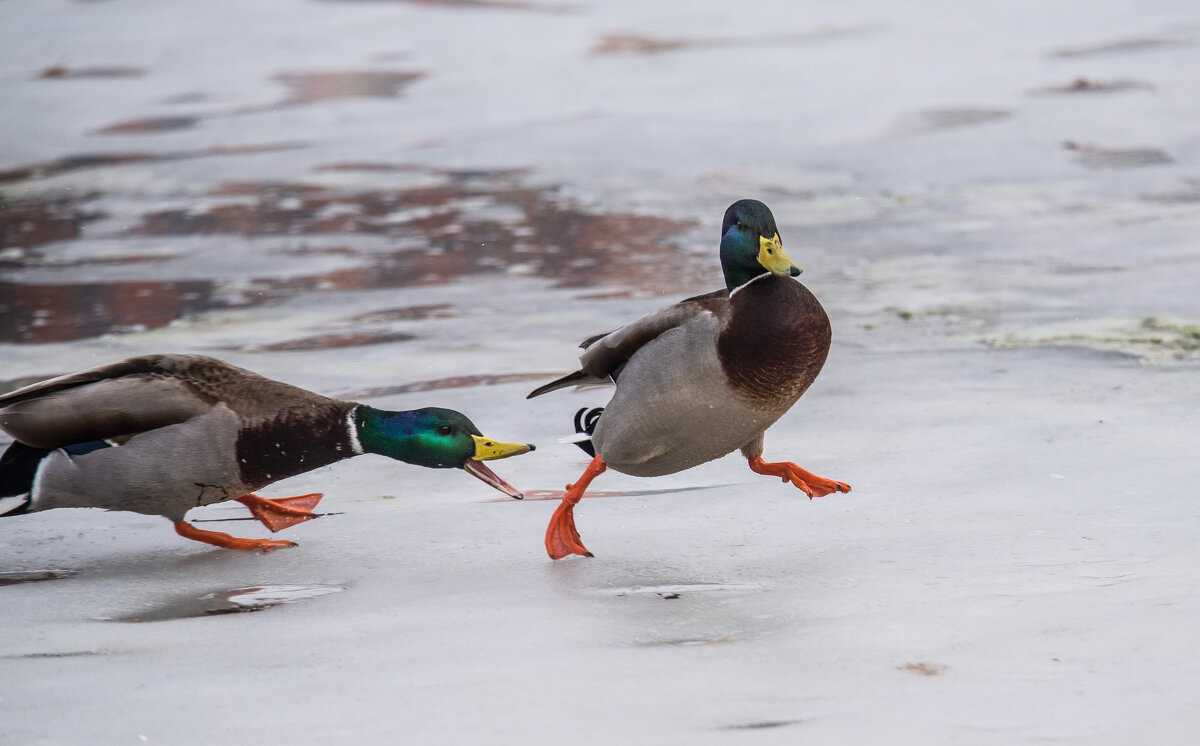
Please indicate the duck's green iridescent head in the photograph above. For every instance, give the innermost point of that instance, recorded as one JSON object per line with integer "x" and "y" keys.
{"x": 437, "y": 438}
{"x": 750, "y": 245}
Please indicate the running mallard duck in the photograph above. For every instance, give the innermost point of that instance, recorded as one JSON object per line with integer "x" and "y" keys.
{"x": 162, "y": 434}
{"x": 703, "y": 377}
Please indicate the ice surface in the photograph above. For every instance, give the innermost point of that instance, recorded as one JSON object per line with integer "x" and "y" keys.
{"x": 1008, "y": 257}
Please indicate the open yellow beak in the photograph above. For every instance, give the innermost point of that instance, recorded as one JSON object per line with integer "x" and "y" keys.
{"x": 487, "y": 449}
{"x": 776, "y": 261}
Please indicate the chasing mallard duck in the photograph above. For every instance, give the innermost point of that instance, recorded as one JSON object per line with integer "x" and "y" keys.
{"x": 162, "y": 434}
{"x": 703, "y": 377}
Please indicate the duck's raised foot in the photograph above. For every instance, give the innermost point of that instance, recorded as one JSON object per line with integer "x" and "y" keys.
{"x": 562, "y": 538}
{"x": 281, "y": 512}
{"x": 809, "y": 483}
{"x": 218, "y": 539}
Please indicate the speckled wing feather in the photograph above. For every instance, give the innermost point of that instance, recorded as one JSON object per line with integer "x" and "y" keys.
{"x": 138, "y": 395}
{"x": 606, "y": 354}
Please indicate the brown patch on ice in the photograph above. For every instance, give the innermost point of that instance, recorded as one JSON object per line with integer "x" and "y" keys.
{"x": 148, "y": 125}
{"x": 1086, "y": 85}
{"x": 61, "y": 313}
{"x": 468, "y": 223}
{"x": 1122, "y": 46}
{"x": 639, "y": 44}
{"x": 102, "y": 160}
{"x": 634, "y": 43}
{"x": 452, "y": 382}
{"x": 922, "y": 668}
{"x": 1093, "y": 156}
{"x": 332, "y": 341}
{"x": 60, "y": 72}
{"x": 456, "y": 224}
{"x": 408, "y": 313}
{"x": 309, "y": 88}
{"x": 33, "y": 222}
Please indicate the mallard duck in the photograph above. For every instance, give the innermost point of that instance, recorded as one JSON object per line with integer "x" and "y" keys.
{"x": 162, "y": 434}
{"x": 703, "y": 377}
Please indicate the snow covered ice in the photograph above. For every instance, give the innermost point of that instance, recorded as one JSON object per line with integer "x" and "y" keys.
{"x": 431, "y": 203}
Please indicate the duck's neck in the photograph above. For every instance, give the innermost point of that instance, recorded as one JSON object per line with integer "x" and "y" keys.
{"x": 379, "y": 432}
{"x": 750, "y": 280}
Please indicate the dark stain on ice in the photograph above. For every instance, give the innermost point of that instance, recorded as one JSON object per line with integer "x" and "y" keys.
{"x": 66, "y": 654}
{"x": 332, "y": 341}
{"x": 235, "y": 601}
{"x": 1093, "y": 156}
{"x": 922, "y": 668}
{"x": 1178, "y": 197}
{"x": 304, "y": 88}
{"x": 683, "y": 642}
{"x": 61, "y": 72}
{"x": 931, "y": 120}
{"x": 61, "y": 313}
{"x": 473, "y": 4}
{"x": 1123, "y": 46}
{"x": 1087, "y": 85}
{"x": 453, "y": 224}
{"x": 148, "y": 125}
{"x": 17, "y": 577}
{"x": 407, "y": 313}
{"x": 636, "y": 43}
{"x": 763, "y": 725}
{"x": 85, "y": 161}
{"x": 32, "y": 222}
{"x": 451, "y": 382}
{"x": 309, "y": 88}
{"x": 519, "y": 228}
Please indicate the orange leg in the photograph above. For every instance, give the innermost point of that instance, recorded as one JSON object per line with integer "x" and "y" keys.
{"x": 282, "y": 512}
{"x": 810, "y": 483}
{"x": 561, "y": 536}
{"x": 218, "y": 539}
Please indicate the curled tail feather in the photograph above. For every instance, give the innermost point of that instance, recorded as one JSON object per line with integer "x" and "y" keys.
{"x": 585, "y": 423}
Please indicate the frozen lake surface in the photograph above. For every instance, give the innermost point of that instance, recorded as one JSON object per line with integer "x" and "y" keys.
{"x": 430, "y": 203}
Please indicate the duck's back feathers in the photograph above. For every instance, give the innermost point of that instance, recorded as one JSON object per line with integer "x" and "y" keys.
{"x": 606, "y": 354}
{"x": 117, "y": 401}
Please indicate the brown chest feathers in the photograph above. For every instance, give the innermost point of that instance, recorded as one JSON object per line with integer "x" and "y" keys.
{"x": 774, "y": 343}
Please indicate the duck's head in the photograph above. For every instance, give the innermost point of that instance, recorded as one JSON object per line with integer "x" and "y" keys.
{"x": 750, "y": 245}
{"x": 437, "y": 438}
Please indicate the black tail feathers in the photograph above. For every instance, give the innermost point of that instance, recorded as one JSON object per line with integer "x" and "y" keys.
{"x": 18, "y": 466}
{"x": 585, "y": 422}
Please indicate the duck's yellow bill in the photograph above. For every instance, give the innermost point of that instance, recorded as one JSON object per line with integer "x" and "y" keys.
{"x": 487, "y": 449}
{"x": 776, "y": 261}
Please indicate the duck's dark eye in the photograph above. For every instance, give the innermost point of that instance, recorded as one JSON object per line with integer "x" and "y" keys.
{"x": 444, "y": 430}
{"x": 741, "y": 226}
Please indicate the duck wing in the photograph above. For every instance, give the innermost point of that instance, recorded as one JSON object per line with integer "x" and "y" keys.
{"x": 606, "y": 354}
{"x": 113, "y": 401}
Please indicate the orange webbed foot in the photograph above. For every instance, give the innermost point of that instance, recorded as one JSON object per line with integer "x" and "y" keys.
{"x": 811, "y": 484}
{"x": 281, "y": 512}
{"x": 218, "y": 539}
{"x": 562, "y": 538}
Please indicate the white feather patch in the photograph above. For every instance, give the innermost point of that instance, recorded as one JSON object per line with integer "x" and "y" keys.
{"x": 9, "y": 504}
{"x": 352, "y": 433}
